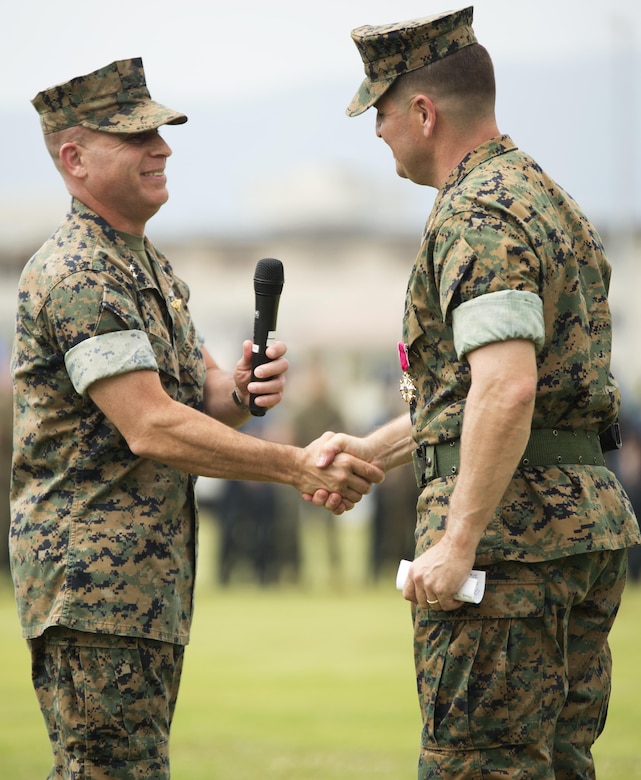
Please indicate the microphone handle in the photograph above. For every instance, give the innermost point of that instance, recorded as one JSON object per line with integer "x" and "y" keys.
{"x": 258, "y": 358}
{"x": 264, "y": 331}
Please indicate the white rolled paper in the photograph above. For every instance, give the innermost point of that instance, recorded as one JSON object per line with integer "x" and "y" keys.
{"x": 471, "y": 591}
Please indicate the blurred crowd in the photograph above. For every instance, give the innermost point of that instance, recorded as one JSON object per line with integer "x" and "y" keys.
{"x": 626, "y": 463}
{"x": 260, "y": 526}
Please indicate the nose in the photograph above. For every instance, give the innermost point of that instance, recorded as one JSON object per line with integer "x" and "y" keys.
{"x": 160, "y": 147}
{"x": 378, "y": 126}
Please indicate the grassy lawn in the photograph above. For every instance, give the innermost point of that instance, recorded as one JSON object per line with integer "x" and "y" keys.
{"x": 300, "y": 682}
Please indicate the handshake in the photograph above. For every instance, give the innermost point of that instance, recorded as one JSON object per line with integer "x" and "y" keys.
{"x": 345, "y": 467}
{"x": 338, "y": 471}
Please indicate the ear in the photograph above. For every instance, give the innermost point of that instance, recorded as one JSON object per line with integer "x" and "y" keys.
{"x": 426, "y": 113}
{"x": 71, "y": 159}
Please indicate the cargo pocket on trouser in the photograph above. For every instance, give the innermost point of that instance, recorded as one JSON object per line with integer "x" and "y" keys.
{"x": 479, "y": 669}
{"x": 114, "y": 703}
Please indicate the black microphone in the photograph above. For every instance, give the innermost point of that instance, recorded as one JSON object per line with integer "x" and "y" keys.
{"x": 268, "y": 284}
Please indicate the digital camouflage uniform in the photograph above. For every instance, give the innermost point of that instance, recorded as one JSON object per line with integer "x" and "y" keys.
{"x": 103, "y": 543}
{"x": 517, "y": 686}
{"x": 102, "y": 540}
{"x": 495, "y": 678}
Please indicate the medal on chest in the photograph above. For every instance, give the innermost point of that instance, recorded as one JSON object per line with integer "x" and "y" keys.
{"x": 406, "y": 385}
{"x": 174, "y": 302}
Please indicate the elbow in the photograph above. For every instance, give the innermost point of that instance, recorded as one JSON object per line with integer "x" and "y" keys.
{"x": 519, "y": 394}
{"x": 525, "y": 392}
{"x": 142, "y": 438}
{"x": 139, "y": 444}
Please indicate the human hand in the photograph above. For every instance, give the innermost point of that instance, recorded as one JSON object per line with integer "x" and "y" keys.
{"x": 437, "y": 575}
{"x": 269, "y": 390}
{"x": 341, "y": 478}
{"x": 332, "y": 444}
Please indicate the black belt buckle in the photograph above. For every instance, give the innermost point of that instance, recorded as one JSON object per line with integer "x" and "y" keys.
{"x": 420, "y": 463}
{"x": 611, "y": 438}
{"x": 425, "y": 466}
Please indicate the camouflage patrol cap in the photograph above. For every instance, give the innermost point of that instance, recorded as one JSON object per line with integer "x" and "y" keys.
{"x": 389, "y": 50}
{"x": 113, "y": 99}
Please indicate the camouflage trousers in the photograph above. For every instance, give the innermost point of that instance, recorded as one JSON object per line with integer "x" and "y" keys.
{"x": 518, "y": 686}
{"x": 108, "y": 703}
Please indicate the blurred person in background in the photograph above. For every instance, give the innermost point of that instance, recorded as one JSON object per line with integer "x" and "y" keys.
{"x": 506, "y": 369}
{"x": 315, "y": 415}
{"x": 393, "y": 501}
{"x": 626, "y": 463}
{"x": 117, "y": 404}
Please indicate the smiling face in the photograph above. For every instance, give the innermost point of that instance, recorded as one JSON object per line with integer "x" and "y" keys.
{"x": 402, "y": 123}
{"x": 120, "y": 176}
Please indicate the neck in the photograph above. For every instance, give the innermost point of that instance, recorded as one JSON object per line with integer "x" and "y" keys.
{"x": 118, "y": 221}
{"x": 457, "y": 145}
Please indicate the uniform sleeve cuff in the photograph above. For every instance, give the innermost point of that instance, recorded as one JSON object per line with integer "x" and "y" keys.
{"x": 498, "y": 316}
{"x": 108, "y": 355}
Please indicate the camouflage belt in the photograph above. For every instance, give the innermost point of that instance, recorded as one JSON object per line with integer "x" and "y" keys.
{"x": 546, "y": 447}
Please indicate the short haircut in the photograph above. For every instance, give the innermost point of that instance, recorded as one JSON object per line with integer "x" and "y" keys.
{"x": 467, "y": 75}
{"x": 53, "y": 141}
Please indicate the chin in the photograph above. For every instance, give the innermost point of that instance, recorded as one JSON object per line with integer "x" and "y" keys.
{"x": 158, "y": 202}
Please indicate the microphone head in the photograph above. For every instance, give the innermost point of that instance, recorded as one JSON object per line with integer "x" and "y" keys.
{"x": 269, "y": 276}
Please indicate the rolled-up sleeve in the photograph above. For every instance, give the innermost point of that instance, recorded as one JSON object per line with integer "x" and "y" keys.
{"x": 108, "y": 355}
{"x": 498, "y": 316}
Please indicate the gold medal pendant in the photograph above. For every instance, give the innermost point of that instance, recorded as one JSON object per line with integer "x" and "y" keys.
{"x": 175, "y": 303}
{"x": 407, "y": 388}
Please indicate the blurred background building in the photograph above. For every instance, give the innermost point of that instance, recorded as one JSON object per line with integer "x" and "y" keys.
{"x": 269, "y": 165}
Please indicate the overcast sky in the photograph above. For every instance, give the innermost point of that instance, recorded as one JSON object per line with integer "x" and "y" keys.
{"x": 195, "y": 48}
{"x": 265, "y": 84}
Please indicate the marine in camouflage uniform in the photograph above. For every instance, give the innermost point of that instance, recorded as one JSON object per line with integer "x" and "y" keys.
{"x": 103, "y": 534}
{"x": 518, "y": 685}
{"x": 115, "y": 533}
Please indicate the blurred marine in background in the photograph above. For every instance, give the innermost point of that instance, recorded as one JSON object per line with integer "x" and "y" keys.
{"x": 505, "y": 366}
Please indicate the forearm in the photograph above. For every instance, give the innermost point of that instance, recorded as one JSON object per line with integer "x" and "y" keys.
{"x": 496, "y": 427}
{"x": 392, "y": 444}
{"x": 159, "y": 428}
{"x": 385, "y": 448}
{"x": 190, "y": 441}
{"x": 491, "y": 446}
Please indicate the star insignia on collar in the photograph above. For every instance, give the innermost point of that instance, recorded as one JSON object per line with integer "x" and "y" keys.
{"x": 135, "y": 271}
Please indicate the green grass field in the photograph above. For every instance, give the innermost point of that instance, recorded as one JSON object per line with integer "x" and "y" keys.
{"x": 300, "y": 682}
